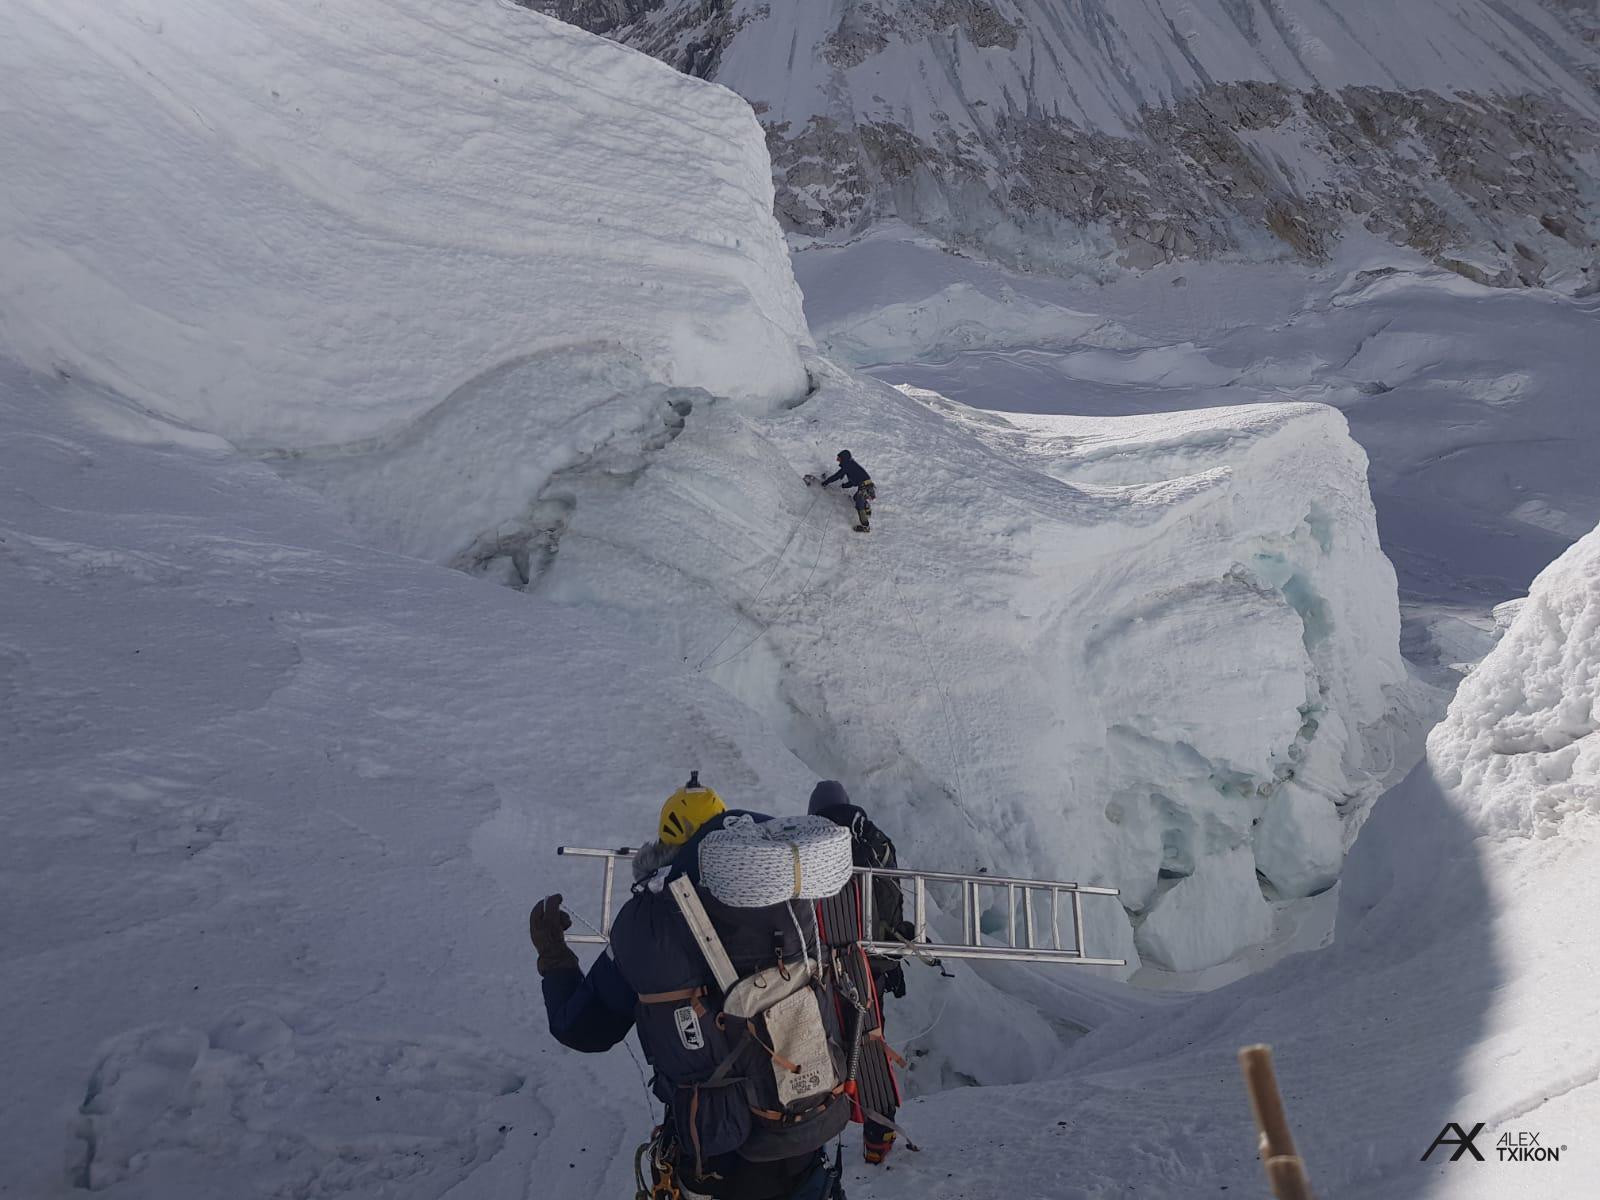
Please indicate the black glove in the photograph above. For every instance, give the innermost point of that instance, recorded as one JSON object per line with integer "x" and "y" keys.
{"x": 894, "y": 982}
{"x": 906, "y": 931}
{"x": 547, "y": 926}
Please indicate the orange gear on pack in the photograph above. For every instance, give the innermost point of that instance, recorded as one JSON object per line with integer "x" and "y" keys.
{"x": 688, "y": 808}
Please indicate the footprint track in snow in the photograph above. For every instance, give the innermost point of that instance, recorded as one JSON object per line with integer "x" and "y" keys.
{"x": 252, "y": 1107}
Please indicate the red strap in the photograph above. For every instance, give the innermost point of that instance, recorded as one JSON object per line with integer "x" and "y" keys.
{"x": 892, "y": 1054}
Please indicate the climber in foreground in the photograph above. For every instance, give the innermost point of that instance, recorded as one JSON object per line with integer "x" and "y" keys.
{"x": 693, "y": 973}
{"x": 871, "y": 847}
{"x": 855, "y": 476}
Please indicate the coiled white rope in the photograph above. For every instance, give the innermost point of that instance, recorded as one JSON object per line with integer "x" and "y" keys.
{"x": 750, "y": 865}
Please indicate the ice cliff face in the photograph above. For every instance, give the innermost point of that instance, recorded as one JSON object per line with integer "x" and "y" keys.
{"x": 1521, "y": 745}
{"x": 1089, "y": 137}
{"x": 401, "y": 259}
{"x": 1158, "y": 653}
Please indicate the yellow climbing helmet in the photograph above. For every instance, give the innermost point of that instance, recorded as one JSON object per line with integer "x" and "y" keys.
{"x": 688, "y": 808}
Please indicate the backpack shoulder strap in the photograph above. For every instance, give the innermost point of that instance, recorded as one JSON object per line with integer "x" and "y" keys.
{"x": 879, "y": 849}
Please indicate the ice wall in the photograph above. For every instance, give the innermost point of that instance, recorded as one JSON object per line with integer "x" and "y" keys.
{"x": 297, "y": 225}
{"x": 1521, "y": 746}
{"x": 1158, "y": 653}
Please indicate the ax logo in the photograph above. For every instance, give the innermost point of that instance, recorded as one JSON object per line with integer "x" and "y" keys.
{"x": 1462, "y": 1141}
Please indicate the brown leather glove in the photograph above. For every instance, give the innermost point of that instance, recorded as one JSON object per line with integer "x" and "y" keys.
{"x": 547, "y": 926}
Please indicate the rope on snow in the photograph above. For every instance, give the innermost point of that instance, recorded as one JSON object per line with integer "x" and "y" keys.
{"x": 766, "y": 627}
{"x": 776, "y": 563}
{"x": 944, "y": 704}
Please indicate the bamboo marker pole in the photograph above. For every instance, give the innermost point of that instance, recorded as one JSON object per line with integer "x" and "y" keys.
{"x": 1286, "y": 1172}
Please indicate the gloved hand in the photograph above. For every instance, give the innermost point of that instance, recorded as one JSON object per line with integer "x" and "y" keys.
{"x": 547, "y": 926}
{"x": 906, "y": 931}
{"x": 894, "y": 982}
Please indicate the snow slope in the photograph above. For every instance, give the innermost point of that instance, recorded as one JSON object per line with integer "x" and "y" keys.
{"x": 1098, "y": 64}
{"x": 1474, "y": 404}
{"x": 1157, "y": 653}
{"x": 296, "y": 228}
{"x": 275, "y": 806}
{"x": 1521, "y": 741}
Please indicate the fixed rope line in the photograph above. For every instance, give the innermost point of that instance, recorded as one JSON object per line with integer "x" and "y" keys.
{"x": 776, "y": 563}
{"x": 767, "y": 626}
{"x": 944, "y": 1003}
{"x": 649, "y": 1096}
{"x": 944, "y": 703}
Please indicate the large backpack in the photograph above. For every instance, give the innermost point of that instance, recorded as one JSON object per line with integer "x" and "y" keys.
{"x": 871, "y": 847}
{"x": 874, "y": 849}
{"x": 739, "y": 1016}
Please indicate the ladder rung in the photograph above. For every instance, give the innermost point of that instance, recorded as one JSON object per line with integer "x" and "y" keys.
{"x": 972, "y": 945}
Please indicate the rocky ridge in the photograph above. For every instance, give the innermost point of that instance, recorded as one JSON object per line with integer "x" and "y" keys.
{"x": 1083, "y": 143}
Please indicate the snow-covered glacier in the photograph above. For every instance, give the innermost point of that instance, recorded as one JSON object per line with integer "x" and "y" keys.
{"x": 1158, "y": 653}
{"x": 568, "y": 353}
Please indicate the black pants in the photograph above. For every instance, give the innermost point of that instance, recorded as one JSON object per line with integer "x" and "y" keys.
{"x": 865, "y": 494}
{"x": 741, "y": 1179}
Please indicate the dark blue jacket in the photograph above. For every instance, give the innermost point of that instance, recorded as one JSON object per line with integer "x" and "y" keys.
{"x": 869, "y": 847}
{"x": 652, "y": 951}
{"x": 852, "y": 472}
{"x": 589, "y": 1013}
{"x": 592, "y": 1013}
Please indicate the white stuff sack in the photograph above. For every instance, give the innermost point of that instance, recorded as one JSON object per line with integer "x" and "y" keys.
{"x": 746, "y": 864}
{"x": 788, "y": 1002}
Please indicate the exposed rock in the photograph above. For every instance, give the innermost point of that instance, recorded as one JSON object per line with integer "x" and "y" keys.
{"x": 1499, "y": 186}
{"x": 1582, "y": 17}
{"x": 691, "y": 35}
{"x": 597, "y": 16}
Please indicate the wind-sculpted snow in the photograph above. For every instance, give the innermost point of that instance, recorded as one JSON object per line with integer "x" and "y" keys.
{"x": 1521, "y": 746}
{"x": 298, "y": 225}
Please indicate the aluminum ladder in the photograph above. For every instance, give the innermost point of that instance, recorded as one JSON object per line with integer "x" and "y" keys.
{"x": 1028, "y": 934}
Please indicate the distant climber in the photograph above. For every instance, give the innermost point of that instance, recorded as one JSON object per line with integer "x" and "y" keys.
{"x": 855, "y": 476}
{"x": 720, "y": 1136}
{"x": 871, "y": 847}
